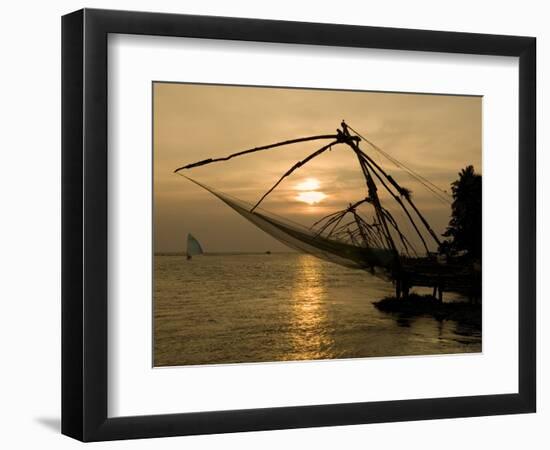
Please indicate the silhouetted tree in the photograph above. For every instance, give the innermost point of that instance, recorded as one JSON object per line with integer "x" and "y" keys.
{"x": 464, "y": 228}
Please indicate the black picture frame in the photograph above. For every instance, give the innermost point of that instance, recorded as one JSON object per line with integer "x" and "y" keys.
{"x": 84, "y": 224}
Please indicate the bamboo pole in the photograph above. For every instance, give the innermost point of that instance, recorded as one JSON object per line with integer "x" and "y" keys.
{"x": 373, "y": 195}
{"x": 400, "y": 189}
{"x": 402, "y": 237}
{"x": 257, "y": 149}
{"x": 424, "y": 221}
{"x": 373, "y": 232}
{"x": 361, "y": 231}
{"x": 293, "y": 168}
{"x": 352, "y": 238}
{"x": 400, "y": 202}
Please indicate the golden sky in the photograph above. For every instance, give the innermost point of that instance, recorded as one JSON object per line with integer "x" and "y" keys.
{"x": 435, "y": 135}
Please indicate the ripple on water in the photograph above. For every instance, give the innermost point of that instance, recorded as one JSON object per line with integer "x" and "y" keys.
{"x": 280, "y": 307}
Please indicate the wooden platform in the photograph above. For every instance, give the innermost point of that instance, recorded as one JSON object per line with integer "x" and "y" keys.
{"x": 459, "y": 276}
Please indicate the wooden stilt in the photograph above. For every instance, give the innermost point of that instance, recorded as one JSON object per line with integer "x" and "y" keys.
{"x": 406, "y": 288}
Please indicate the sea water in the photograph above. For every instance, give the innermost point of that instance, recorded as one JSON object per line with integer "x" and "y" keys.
{"x": 235, "y": 308}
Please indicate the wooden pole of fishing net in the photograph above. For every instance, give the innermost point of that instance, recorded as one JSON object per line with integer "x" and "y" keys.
{"x": 373, "y": 165}
{"x": 373, "y": 194}
{"x": 400, "y": 189}
{"x": 257, "y": 149}
{"x": 400, "y": 202}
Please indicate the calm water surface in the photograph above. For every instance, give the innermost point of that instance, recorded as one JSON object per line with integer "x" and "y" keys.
{"x": 219, "y": 309}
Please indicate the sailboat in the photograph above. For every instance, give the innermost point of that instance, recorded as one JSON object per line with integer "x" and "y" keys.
{"x": 193, "y": 246}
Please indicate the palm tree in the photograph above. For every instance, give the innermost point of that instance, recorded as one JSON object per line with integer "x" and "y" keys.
{"x": 464, "y": 229}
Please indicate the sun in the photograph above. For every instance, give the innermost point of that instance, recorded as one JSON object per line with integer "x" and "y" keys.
{"x": 308, "y": 193}
{"x": 311, "y": 197}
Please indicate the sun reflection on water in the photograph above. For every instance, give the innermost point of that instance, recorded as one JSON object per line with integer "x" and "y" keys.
{"x": 311, "y": 337}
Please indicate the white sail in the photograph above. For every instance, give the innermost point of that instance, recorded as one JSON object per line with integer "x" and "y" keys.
{"x": 193, "y": 246}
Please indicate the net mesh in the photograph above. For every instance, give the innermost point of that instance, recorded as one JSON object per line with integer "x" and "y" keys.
{"x": 379, "y": 262}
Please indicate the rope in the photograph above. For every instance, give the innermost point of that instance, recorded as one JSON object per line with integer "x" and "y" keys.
{"x": 422, "y": 180}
